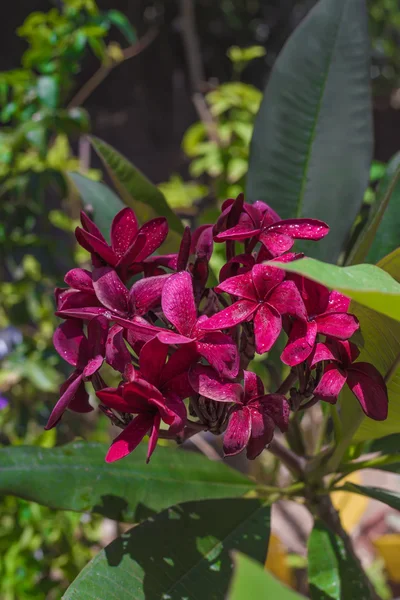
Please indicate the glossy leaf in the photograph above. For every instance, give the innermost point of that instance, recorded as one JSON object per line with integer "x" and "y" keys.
{"x": 118, "y": 19}
{"x": 381, "y": 348}
{"x": 138, "y": 192}
{"x": 76, "y": 477}
{"x": 380, "y": 235}
{"x": 48, "y": 90}
{"x": 389, "y": 444}
{"x": 184, "y": 552}
{"x": 332, "y": 572}
{"x": 388, "y": 497}
{"x": 312, "y": 143}
{"x": 99, "y": 200}
{"x": 370, "y": 285}
{"x": 251, "y": 581}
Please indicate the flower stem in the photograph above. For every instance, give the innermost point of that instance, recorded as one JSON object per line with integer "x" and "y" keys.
{"x": 294, "y": 463}
{"x": 287, "y": 383}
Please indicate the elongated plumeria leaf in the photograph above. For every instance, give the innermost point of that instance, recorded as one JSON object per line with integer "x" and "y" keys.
{"x": 380, "y": 235}
{"x": 370, "y": 285}
{"x": 381, "y": 348}
{"x": 138, "y": 192}
{"x": 308, "y": 157}
{"x": 332, "y": 572}
{"x": 252, "y": 581}
{"x": 98, "y": 200}
{"x": 386, "y": 496}
{"x": 76, "y": 477}
{"x": 184, "y": 552}
{"x": 389, "y": 444}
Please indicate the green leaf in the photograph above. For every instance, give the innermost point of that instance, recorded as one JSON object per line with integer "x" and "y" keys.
{"x": 99, "y": 200}
{"x": 382, "y": 349}
{"x": 76, "y": 477}
{"x": 312, "y": 143}
{"x": 184, "y": 552}
{"x": 138, "y": 192}
{"x": 369, "y": 285}
{"x": 332, "y": 572}
{"x": 122, "y": 22}
{"x": 380, "y": 235}
{"x": 252, "y": 581}
{"x": 389, "y": 444}
{"x": 386, "y": 496}
{"x": 48, "y": 90}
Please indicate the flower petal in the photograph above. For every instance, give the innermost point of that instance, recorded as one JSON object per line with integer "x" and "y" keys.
{"x": 266, "y": 278}
{"x": 90, "y": 226}
{"x": 338, "y": 325}
{"x": 172, "y": 411}
{"x": 277, "y": 407}
{"x": 205, "y": 381}
{"x": 221, "y": 352}
{"x": 68, "y": 391}
{"x": 145, "y": 294}
{"x": 262, "y": 432}
{"x": 110, "y": 290}
{"x": 243, "y": 231}
{"x": 331, "y": 383}
{"x": 153, "y": 438}
{"x": 287, "y": 300}
{"x": 184, "y": 250}
{"x": 97, "y": 335}
{"x": 130, "y": 437}
{"x": 237, "y": 433}
{"x": 241, "y": 286}
{"x": 80, "y": 401}
{"x": 229, "y": 317}
{"x": 301, "y": 229}
{"x": 276, "y": 242}
{"x": 180, "y": 362}
{"x": 338, "y": 302}
{"x": 69, "y": 341}
{"x": 155, "y": 231}
{"x": 131, "y": 254}
{"x": 203, "y": 242}
{"x": 93, "y": 244}
{"x": 267, "y": 327}
{"x": 178, "y": 302}
{"x": 152, "y": 360}
{"x": 253, "y": 386}
{"x": 324, "y": 352}
{"x": 369, "y": 387}
{"x": 123, "y": 231}
{"x": 70, "y": 298}
{"x": 300, "y": 344}
{"x": 93, "y": 365}
{"x": 117, "y": 354}
{"x": 169, "y": 337}
{"x": 79, "y": 279}
{"x": 85, "y": 313}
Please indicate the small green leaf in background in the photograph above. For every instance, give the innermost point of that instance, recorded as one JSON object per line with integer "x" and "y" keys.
{"x": 118, "y": 19}
{"x": 388, "y": 497}
{"x": 138, "y": 192}
{"x": 380, "y": 235}
{"x": 101, "y": 199}
{"x": 381, "y": 348}
{"x": 184, "y": 552}
{"x": 76, "y": 477}
{"x": 48, "y": 90}
{"x": 252, "y": 582}
{"x": 332, "y": 572}
{"x": 312, "y": 144}
{"x": 389, "y": 444}
{"x": 370, "y": 285}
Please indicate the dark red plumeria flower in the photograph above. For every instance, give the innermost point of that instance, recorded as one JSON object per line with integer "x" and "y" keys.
{"x": 264, "y": 297}
{"x": 327, "y": 315}
{"x": 86, "y": 354}
{"x": 260, "y": 222}
{"x": 254, "y": 415}
{"x": 130, "y": 245}
{"x": 80, "y": 293}
{"x": 155, "y": 395}
{"x": 179, "y": 307}
{"x": 364, "y": 380}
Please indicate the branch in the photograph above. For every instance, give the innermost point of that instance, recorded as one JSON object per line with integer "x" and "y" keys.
{"x": 192, "y": 45}
{"x": 294, "y": 463}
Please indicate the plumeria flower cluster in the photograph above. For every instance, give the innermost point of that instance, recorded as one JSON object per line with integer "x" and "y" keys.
{"x": 182, "y": 350}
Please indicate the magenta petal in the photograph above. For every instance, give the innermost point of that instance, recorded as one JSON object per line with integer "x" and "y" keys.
{"x": 85, "y": 313}
{"x": 287, "y": 300}
{"x": 301, "y": 229}
{"x": 331, "y": 384}
{"x": 71, "y": 298}
{"x": 92, "y": 243}
{"x": 97, "y": 331}
{"x": 276, "y": 242}
{"x": 138, "y": 328}
{"x": 112, "y": 397}
{"x": 204, "y": 244}
{"x": 180, "y": 362}
{"x": 338, "y": 302}
{"x": 178, "y": 385}
{"x": 253, "y": 386}
{"x": 132, "y": 252}
{"x": 140, "y": 389}
{"x": 68, "y": 340}
{"x": 80, "y": 401}
{"x": 117, "y": 354}
{"x": 172, "y": 411}
{"x": 69, "y": 389}
{"x": 152, "y": 359}
{"x": 92, "y": 366}
{"x": 277, "y": 407}
{"x": 205, "y": 381}
{"x": 89, "y": 225}
{"x": 178, "y": 302}
{"x": 155, "y": 231}
{"x": 145, "y": 294}
{"x": 369, "y": 387}
{"x": 237, "y": 434}
{"x": 169, "y": 337}
{"x": 266, "y": 278}
{"x": 130, "y": 437}
{"x": 110, "y": 290}
{"x": 241, "y": 286}
{"x": 184, "y": 250}
{"x": 221, "y": 352}
{"x": 153, "y": 437}
{"x": 229, "y": 317}
{"x": 338, "y": 325}
{"x": 242, "y": 231}
{"x": 267, "y": 327}
{"x": 300, "y": 344}
{"x": 323, "y": 352}
{"x": 262, "y": 432}
{"x": 123, "y": 231}
{"x": 79, "y": 279}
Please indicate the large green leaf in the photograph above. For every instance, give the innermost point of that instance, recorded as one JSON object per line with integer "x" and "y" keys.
{"x": 382, "y": 349}
{"x": 184, "y": 552}
{"x": 370, "y": 285}
{"x": 333, "y": 574}
{"x": 138, "y": 192}
{"x": 76, "y": 477}
{"x": 386, "y": 496}
{"x": 312, "y": 143}
{"x": 389, "y": 444}
{"x": 252, "y": 581}
{"x": 100, "y": 199}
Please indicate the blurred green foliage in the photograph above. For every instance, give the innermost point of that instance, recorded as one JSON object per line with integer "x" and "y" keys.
{"x": 385, "y": 34}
